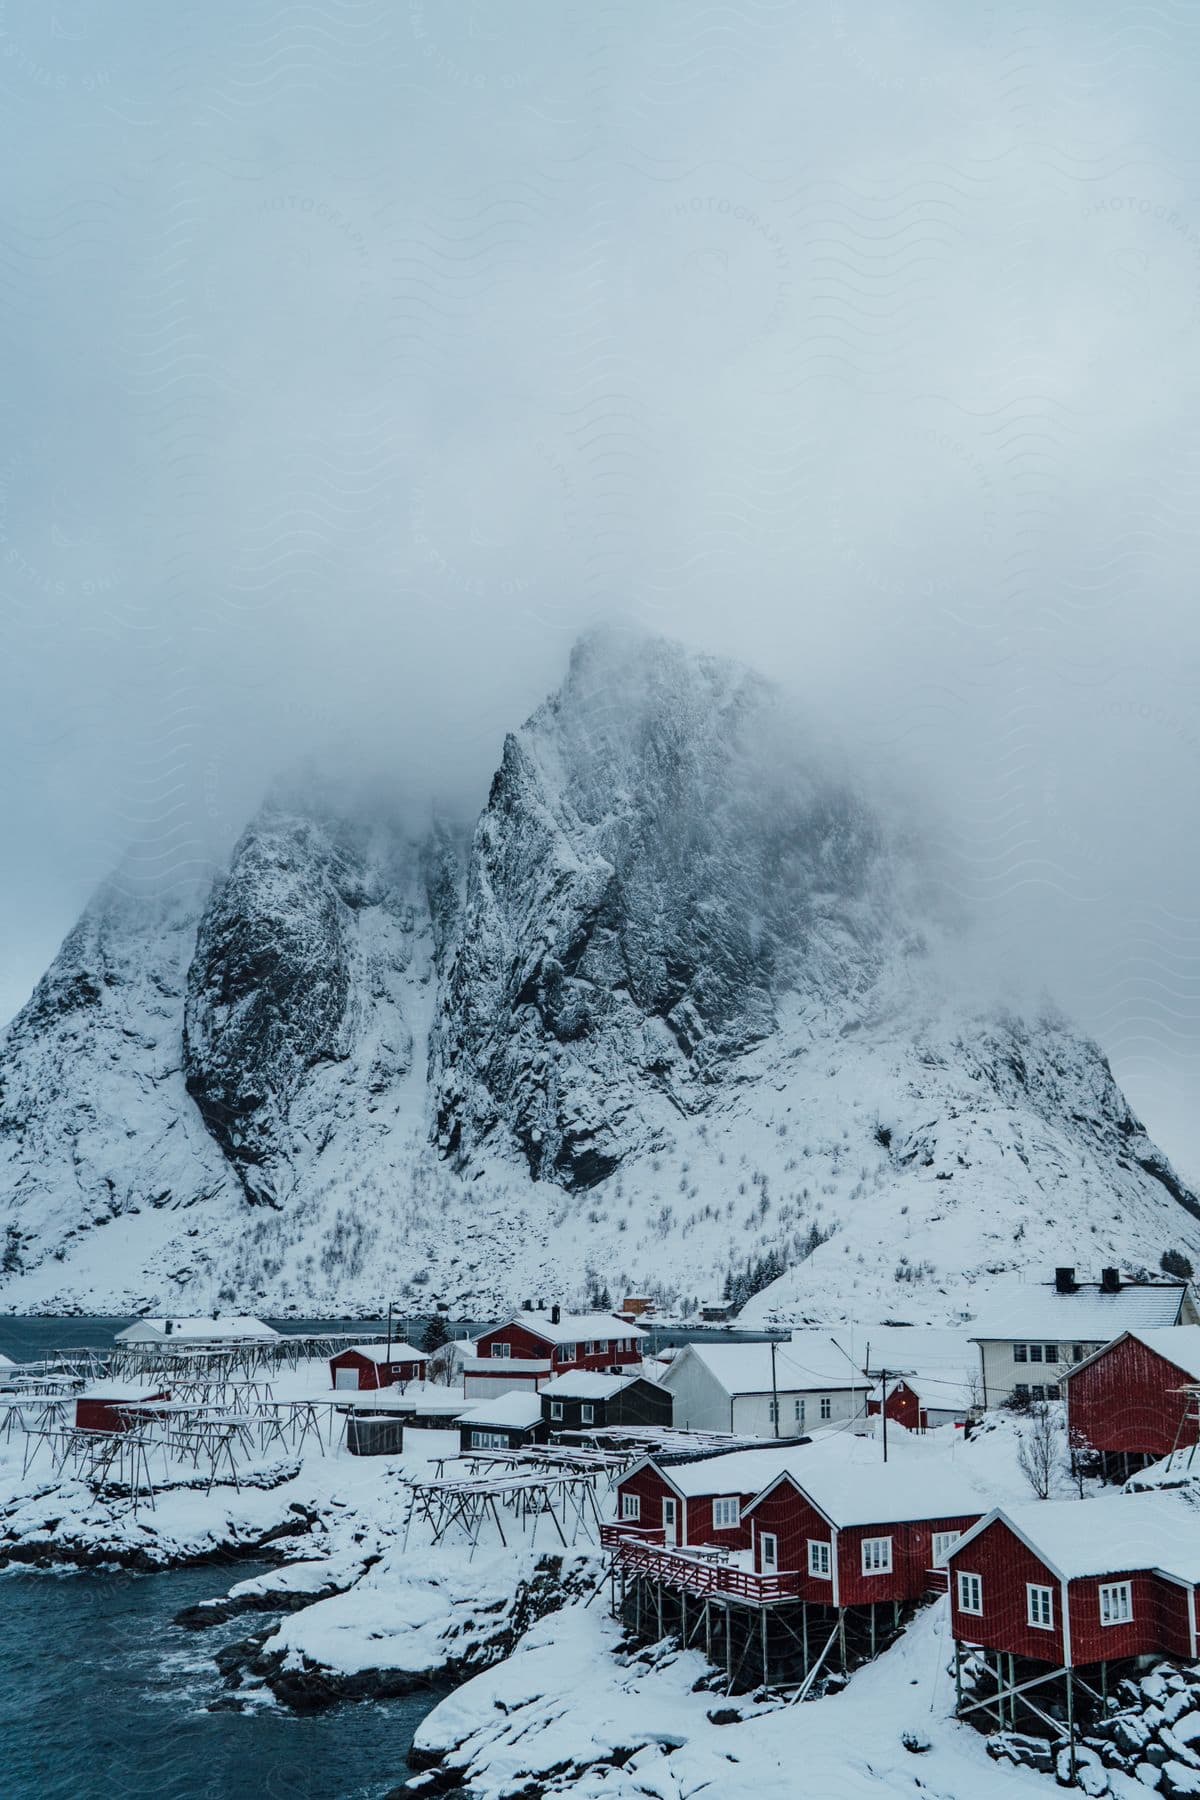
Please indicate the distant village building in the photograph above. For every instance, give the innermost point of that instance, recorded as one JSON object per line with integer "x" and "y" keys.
{"x": 1033, "y": 1333}
{"x": 377, "y": 1366}
{"x": 585, "y": 1401}
{"x": 765, "y": 1390}
{"x": 114, "y": 1405}
{"x": 531, "y": 1347}
{"x": 1137, "y": 1399}
{"x": 198, "y": 1333}
{"x": 510, "y": 1421}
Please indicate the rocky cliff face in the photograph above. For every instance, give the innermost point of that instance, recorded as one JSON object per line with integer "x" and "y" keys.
{"x": 659, "y": 860}
{"x": 669, "y": 1011}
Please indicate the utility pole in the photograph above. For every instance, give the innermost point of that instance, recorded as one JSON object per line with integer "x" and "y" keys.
{"x": 774, "y": 1390}
{"x": 389, "y": 1346}
{"x": 885, "y": 1401}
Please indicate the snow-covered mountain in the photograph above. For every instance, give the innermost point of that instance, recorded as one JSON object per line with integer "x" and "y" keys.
{"x": 675, "y": 1008}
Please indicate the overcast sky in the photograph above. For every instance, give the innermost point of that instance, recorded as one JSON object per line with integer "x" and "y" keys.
{"x": 356, "y": 355}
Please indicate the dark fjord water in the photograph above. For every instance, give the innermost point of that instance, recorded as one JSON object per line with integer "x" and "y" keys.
{"x": 102, "y": 1698}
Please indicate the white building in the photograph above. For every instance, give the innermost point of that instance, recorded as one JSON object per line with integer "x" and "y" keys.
{"x": 766, "y": 1390}
{"x": 235, "y": 1329}
{"x": 1031, "y": 1332}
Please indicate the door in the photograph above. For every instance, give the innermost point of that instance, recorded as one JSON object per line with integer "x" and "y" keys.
{"x": 346, "y": 1378}
{"x": 769, "y": 1549}
{"x": 670, "y": 1523}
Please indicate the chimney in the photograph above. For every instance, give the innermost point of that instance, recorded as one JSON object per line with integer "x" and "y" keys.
{"x": 555, "y": 1313}
{"x": 168, "y": 1327}
{"x": 1064, "y": 1281}
{"x": 1110, "y": 1281}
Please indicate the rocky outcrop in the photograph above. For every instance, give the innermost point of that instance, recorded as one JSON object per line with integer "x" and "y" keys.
{"x": 659, "y": 861}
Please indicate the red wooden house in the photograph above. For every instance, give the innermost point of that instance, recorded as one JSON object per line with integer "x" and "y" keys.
{"x": 852, "y": 1535}
{"x": 1131, "y": 1398}
{"x": 699, "y": 1500}
{"x": 1073, "y": 1583}
{"x": 532, "y": 1347}
{"x": 377, "y": 1366}
{"x": 114, "y": 1405}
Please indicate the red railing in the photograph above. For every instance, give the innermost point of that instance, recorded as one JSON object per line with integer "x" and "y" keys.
{"x": 612, "y": 1536}
{"x": 699, "y": 1574}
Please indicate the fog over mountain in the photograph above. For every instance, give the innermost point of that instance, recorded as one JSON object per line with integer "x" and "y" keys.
{"x": 359, "y": 360}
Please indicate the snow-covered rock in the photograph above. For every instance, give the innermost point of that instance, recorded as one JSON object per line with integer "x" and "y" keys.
{"x": 676, "y": 1008}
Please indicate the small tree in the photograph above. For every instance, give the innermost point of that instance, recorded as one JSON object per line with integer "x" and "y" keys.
{"x": 437, "y": 1333}
{"x": 1037, "y": 1458}
{"x": 1174, "y": 1262}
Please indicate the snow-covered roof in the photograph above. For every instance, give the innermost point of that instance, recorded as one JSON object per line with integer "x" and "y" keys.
{"x": 514, "y": 1410}
{"x": 1108, "y": 1536}
{"x": 587, "y": 1384}
{"x": 879, "y": 1493}
{"x": 1179, "y": 1344}
{"x": 383, "y": 1353}
{"x": 936, "y": 1393}
{"x": 1026, "y": 1310}
{"x": 816, "y": 1365}
{"x": 737, "y": 1472}
{"x": 576, "y": 1328}
{"x": 118, "y": 1391}
{"x": 202, "y": 1331}
{"x": 6, "y": 1362}
{"x": 520, "y": 1367}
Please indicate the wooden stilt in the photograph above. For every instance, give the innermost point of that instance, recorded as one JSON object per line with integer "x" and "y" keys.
{"x": 708, "y": 1629}
{"x": 683, "y": 1616}
{"x": 804, "y": 1631}
{"x": 957, "y": 1676}
{"x": 872, "y": 1628}
{"x": 1071, "y": 1723}
{"x": 766, "y": 1667}
{"x": 728, "y": 1645}
{"x": 658, "y": 1600}
{"x": 842, "y": 1635}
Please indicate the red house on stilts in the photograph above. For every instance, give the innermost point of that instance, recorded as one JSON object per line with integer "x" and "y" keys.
{"x": 1138, "y": 1398}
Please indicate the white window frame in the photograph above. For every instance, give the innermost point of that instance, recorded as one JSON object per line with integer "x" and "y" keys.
{"x": 1035, "y": 1353}
{"x": 556, "y": 1409}
{"x": 631, "y": 1507}
{"x": 1117, "y": 1597}
{"x": 589, "y": 1348}
{"x": 877, "y": 1556}
{"x": 501, "y": 1350}
{"x": 567, "y": 1352}
{"x": 970, "y": 1593}
{"x": 773, "y": 1411}
{"x": 601, "y": 1346}
{"x": 1020, "y": 1353}
{"x": 800, "y": 1414}
{"x": 726, "y": 1512}
{"x": 826, "y": 1406}
{"x": 1050, "y": 1353}
{"x": 820, "y": 1558}
{"x": 587, "y": 1413}
{"x": 943, "y": 1544}
{"x": 1039, "y": 1606}
{"x": 482, "y": 1439}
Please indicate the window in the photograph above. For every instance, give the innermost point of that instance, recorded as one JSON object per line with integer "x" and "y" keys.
{"x": 589, "y": 1349}
{"x": 1039, "y": 1606}
{"x": 943, "y": 1544}
{"x": 566, "y": 1353}
{"x": 501, "y": 1349}
{"x": 727, "y": 1514}
{"x": 818, "y": 1558}
{"x": 601, "y": 1346}
{"x": 1022, "y": 1387}
{"x": 773, "y": 1411}
{"x": 489, "y": 1440}
{"x": 556, "y": 1409}
{"x": 1076, "y": 1352}
{"x": 631, "y": 1506}
{"x": 970, "y": 1592}
{"x": 877, "y": 1556}
{"x": 800, "y": 1414}
{"x": 826, "y": 1407}
{"x": 1053, "y": 1391}
{"x": 1116, "y": 1603}
{"x": 1020, "y": 1353}
{"x": 1037, "y": 1391}
{"x": 1035, "y": 1353}
{"x": 587, "y": 1414}
{"x": 1051, "y": 1352}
